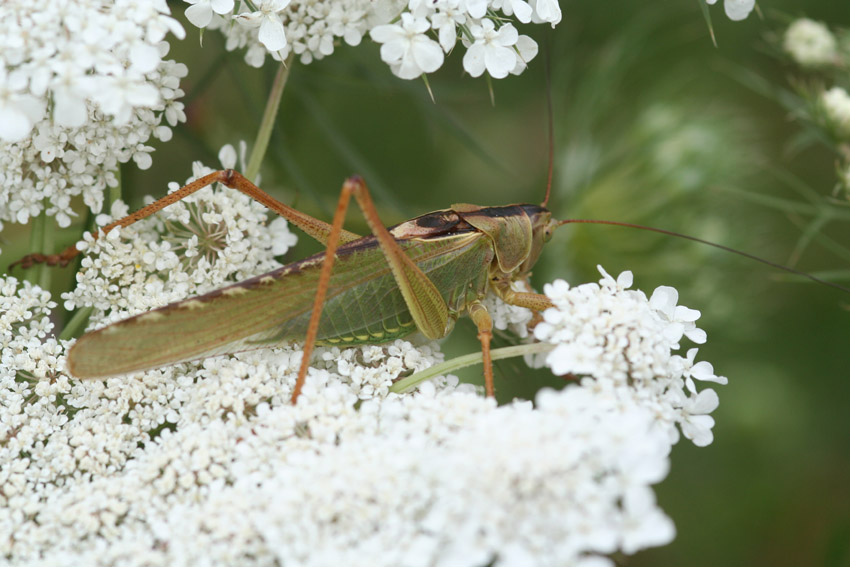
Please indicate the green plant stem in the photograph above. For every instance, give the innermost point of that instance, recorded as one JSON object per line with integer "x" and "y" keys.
{"x": 77, "y": 323}
{"x": 410, "y": 382}
{"x": 261, "y": 143}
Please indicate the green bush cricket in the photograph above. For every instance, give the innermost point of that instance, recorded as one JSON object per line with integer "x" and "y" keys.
{"x": 420, "y": 275}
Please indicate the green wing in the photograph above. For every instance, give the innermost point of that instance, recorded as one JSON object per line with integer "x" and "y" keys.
{"x": 364, "y": 305}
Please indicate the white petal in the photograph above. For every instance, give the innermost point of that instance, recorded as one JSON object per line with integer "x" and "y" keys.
{"x": 222, "y": 6}
{"x": 144, "y": 58}
{"x": 386, "y": 33}
{"x": 448, "y": 36}
{"x": 143, "y": 160}
{"x": 476, "y": 8}
{"x": 428, "y": 54}
{"x": 705, "y": 402}
{"x": 698, "y": 429}
{"x": 664, "y": 299}
{"x": 507, "y": 35}
{"x": 200, "y": 14}
{"x": 522, "y": 11}
{"x": 697, "y": 336}
{"x": 499, "y": 61}
{"x": 549, "y": 11}
{"x": 227, "y": 156}
{"x": 272, "y": 34}
{"x": 473, "y": 60}
{"x": 14, "y": 125}
{"x": 625, "y": 279}
{"x": 738, "y": 10}
{"x": 408, "y": 69}
{"x": 392, "y": 52}
{"x": 69, "y": 110}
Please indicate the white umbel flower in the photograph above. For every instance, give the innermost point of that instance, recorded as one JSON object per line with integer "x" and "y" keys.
{"x": 416, "y": 35}
{"x": 616, "y": 338}
{"x": 83, "y": 87}
{"x": 208, "y": 463}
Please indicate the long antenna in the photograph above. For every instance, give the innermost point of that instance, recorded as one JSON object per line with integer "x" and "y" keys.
{"x": 709, "y": 243}
{"x": 548, "y": 72}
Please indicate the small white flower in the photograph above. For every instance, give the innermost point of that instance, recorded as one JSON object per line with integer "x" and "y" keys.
{"x": 491, "y": 50}
{"x": 407, "y": 49}
{"x": 267, "y": 18}
{"x": 810, "y": 43}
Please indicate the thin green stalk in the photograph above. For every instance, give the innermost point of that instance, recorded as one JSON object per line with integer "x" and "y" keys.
{"x": 410, "y": 382}
{"x": 77, "y": 323}
{"x": 261, "y": 143}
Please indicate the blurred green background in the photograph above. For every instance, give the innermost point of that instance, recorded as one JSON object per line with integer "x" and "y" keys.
{"x": 653, "y": 125}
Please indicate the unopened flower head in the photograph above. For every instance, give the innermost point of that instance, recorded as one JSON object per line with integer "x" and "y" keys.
{"x": 836, "y": 105}
{"x": 83, "y": 87}
{"x": 810, "y": 43}
{"x": 415, "y": 35}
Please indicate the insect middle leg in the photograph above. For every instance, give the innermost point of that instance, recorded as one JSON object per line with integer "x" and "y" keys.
{"x": 484, "y": 323}
{"x": 422, "y": 298}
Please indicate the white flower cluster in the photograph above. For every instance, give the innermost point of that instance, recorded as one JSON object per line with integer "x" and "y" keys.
{"x": 415, "y": 35}
{"x": 836, "y": 104}
{"x": 83, "y": 87}
{"x": 208, "y": 462}
{"x": 736, "y": 10}
{"x": 621, "y": 343}
{"x": 810, "y": 43}
{"x": 213, "y": 237}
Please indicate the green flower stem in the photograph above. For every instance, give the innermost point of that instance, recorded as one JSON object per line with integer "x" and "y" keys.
{"x": 261, "y": 143}
{"x": 406, "y": 384}
{"x": 77, "y": 323}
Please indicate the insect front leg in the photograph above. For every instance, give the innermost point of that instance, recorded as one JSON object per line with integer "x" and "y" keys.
{"x": 312, "y": 226}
